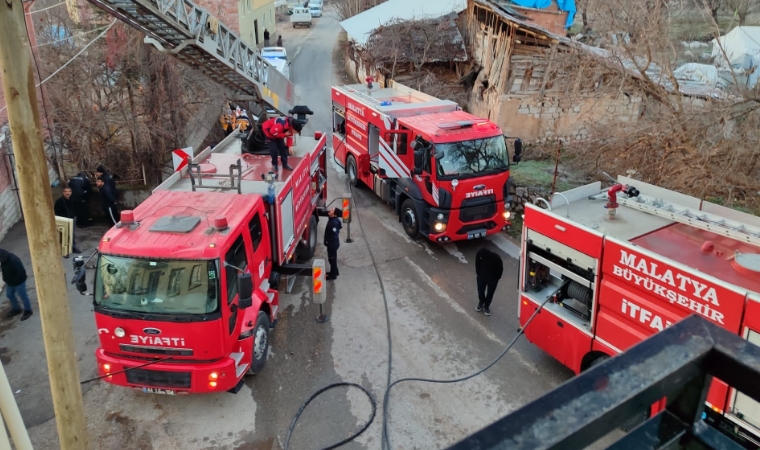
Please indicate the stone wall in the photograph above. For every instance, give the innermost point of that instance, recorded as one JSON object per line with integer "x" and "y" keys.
{"x": 537, "y": 119}
{"x": 526, "y": 194}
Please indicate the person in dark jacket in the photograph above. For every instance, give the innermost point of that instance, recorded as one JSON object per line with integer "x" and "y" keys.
{"x": 14, "y": 276}
{"x": 81, "y": 189}
{"x": 332, "y": 241}
{"x": 266, "y": 37}
{"x": 488, "y": 268}
{"x": 108, "y": 199}
{"x": 101, "y": 173}
{"x": 65, "y": 207}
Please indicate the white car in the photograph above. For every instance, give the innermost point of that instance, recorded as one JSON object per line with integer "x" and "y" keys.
{"x": 278, "y": 57}
{"x": 315, "y": 10}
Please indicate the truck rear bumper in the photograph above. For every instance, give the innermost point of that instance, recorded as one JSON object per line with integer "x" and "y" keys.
{"x": 168, "y": 378}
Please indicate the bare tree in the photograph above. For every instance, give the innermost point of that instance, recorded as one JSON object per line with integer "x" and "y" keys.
{"x": 692, "y": 138}
{"x": 344, "y": 9}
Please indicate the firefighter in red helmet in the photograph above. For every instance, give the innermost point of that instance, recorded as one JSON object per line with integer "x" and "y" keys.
{"x": 276, "y": 130}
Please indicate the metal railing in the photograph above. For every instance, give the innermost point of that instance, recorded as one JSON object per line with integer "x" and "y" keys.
{"x": 677, "y": 363}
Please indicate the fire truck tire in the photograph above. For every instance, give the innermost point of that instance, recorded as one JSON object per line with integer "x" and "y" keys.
{"x": 600, "y": 359}
{"x": 409, "y": 219}
{"x": 352, "y": 170}
{"x": 306, "y": 252}
{"x": 260, "y": 344}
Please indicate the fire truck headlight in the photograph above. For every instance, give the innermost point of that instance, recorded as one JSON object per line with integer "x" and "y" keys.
{"x": 119, "y": 332}
{"x": 507, "y": 215}
{"x": 439, "y": 227}
{"x": 439, "y": 216}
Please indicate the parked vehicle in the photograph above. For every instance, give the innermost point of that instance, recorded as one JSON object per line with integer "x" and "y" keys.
{"x": 278, "y": 57}
{"x": 621, "y": 264}
{"x": 444, "y": 171}
{"x": 315, "y": 10}
{"x": 301, "y": 17}
{"x": 187, "y": 282}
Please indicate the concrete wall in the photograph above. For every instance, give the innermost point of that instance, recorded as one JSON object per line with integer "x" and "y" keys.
{"x": 259, "y": 12}
{"x": 10, "y": 208}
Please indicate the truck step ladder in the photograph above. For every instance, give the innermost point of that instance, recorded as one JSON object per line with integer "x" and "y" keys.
{"x": 200, "y": 40}
{"x": 696, "y": 218}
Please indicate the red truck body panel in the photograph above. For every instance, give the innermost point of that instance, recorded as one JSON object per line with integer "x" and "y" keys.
{"x": 374, "y": 131}
{"x": 614, "y": 280}
{"x": 210, "y": 351}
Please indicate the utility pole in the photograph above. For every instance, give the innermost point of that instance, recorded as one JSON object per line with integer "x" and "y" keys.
{"x": 36, "y": 202}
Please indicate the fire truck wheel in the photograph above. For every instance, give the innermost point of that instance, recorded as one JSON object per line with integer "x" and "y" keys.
{"x": 260, "y": 343}
{"x": 353, "y": 173}
{"x": 598, "y": 361}
{"x": 409, "y": 219}
{"x": 306, "y": 252}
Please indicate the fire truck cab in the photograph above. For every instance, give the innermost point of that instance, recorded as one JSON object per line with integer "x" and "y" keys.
{"x": 185, "y": 288}
{"x": 446, "y": 172}
{"x": 614, "y": 266}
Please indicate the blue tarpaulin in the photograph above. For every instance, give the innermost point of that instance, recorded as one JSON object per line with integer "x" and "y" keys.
{"x": 564, "y": 5}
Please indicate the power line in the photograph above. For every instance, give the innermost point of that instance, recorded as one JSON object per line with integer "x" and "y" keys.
{"x": 70, "y": 37}
{"x": 72, "y": 58}
{"x": 45, "y": 9}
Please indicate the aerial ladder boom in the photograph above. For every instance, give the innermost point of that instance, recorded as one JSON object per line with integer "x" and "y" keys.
{"x": 200, "y": 40}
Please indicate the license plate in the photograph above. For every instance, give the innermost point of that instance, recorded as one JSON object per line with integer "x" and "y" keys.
{"x": 476, "y": 235}
{"x": 159, "y": 391}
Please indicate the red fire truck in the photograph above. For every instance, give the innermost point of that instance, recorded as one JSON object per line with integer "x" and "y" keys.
{"x": 186, "y": 284}
{"x": 621, "y": 264}
{"x": 446, "y": 172}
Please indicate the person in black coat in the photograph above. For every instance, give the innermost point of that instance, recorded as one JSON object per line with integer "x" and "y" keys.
{"x": 332, "y": 240}
{"x": 108, "y": 197}
{"x": 266, "y": 37}
{"x": 488, "y": 268}
{"x": 14, "y": 276}
{"x": 101, "y": 173}
{"x": 81, "y": 189}
{"x": 66, "y": 207}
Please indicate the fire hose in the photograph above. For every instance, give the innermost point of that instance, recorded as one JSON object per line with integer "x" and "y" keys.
{"x": 385, "y": 442}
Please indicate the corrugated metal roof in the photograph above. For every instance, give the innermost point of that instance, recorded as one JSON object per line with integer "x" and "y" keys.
{"x": 361, "y": 26}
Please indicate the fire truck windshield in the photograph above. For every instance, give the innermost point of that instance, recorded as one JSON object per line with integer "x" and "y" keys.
{"x": 472, "y": 157}
{"x": 156, "y": 286}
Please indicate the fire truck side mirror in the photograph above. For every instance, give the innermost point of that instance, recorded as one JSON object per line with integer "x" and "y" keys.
{"x": 518, "y": 151}
{"x": 245, "y": 290}
{"x": 80, "y": 278}
{"x": 419, "y": 158}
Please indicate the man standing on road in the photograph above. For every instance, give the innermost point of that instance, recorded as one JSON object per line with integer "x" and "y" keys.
{"x": 108, "y": 200}
{"x": 65, "y": 207}
{"x": 279, "y": 41}
{"x": 276, "y": 130}
{"x": 332, "y": 241}
{"x": 266, "y": 37}
{"x": 488, "y": 268}
{"x": 14, "y": 276}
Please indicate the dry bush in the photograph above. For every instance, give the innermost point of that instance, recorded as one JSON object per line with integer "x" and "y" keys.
{"x": 122, "y": 103}
{"x": 703, "y": 146}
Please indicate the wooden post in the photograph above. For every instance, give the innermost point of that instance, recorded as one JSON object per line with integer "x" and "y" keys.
{"x": 36, "y": 202}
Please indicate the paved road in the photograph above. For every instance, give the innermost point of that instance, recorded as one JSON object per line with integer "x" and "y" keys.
{"x": 430, "y": 291}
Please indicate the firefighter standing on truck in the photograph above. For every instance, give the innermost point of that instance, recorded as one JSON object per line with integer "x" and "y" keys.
{"x": 276, "y": 130}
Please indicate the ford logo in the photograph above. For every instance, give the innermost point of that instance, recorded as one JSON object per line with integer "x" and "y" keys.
{"x": 479, "y": 187}
{"x": 153, "y": 331}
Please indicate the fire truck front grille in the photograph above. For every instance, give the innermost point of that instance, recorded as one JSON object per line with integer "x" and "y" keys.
{"x": 158, "y": 378}
{"x": 490, "y": 225}
{"x": 156, "y": 350}
{"x": 476, "y": 209}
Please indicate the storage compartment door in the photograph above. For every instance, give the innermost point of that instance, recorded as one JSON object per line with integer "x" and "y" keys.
{"x": 743, "y": 407}
{"x": 286, "y": 224}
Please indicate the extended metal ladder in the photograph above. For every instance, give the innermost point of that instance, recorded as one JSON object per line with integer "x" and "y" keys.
{"x": 200, "y": 40}
{"x": 696, "y": 218}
